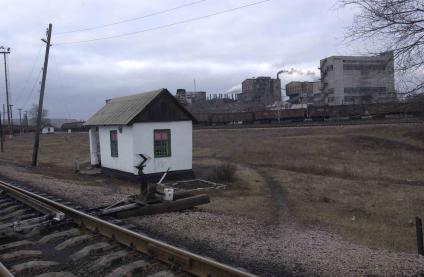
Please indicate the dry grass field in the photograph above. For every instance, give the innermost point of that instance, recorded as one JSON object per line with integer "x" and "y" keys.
{"x": 365, "y": 183}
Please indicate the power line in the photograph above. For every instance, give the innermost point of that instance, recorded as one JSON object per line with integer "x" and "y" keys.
{"x": 32, "y": 89}
{"x": 131, "y": 19}
{"x": 54, "y": 60}
{"x": 27, "y": 80}
{"x": 166, "y": 25}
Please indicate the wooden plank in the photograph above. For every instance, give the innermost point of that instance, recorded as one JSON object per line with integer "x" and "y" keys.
{"x": 166, "y": 206}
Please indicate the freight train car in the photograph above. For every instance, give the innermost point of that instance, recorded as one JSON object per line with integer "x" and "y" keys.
{"x": 266, "y": 116}
{"x": 357, "y": 111}
{"x": 201, "y": 118}
{"x": 293, "y": 114}
{"x": 386, "y": 109}
{"x": 235, "y": 118}
{"x": 314, "y": 113}
{"x": 318, "y": 113}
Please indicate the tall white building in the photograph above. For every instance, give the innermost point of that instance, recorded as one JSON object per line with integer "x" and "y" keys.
{"x": 357, "y": 80}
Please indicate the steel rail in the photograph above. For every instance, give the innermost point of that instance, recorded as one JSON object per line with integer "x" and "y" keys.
{"x": 31, "y": 202}
{"x": 4, "y": 272}
{"x": 177, "y": 258}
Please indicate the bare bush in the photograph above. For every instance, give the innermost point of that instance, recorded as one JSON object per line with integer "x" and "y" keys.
{"x": 396, "y": 25}
{"x": 225, "y": 173}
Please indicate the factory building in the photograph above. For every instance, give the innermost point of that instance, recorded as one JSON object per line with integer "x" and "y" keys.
{"x": 260, "y": 90}
{"x": 190, "y": 97}
{"x": 357, "y": 80}
{"x": 302, "y": 92}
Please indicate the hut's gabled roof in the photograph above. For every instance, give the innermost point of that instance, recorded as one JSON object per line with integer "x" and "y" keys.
{"x": 123, "y": 110}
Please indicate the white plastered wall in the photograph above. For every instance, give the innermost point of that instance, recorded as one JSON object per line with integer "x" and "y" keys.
{"x": 138, "y": 139}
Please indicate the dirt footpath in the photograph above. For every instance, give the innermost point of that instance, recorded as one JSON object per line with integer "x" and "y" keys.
{"x": 263, "y": 241}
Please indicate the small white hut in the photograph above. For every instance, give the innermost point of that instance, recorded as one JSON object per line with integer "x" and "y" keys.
{"x": 153, "y": 125}
{"x": 47, "y": 129}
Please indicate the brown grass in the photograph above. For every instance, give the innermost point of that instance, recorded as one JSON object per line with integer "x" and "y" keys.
{"x": 59, "y": 149}
{"x": 364, "y": 182}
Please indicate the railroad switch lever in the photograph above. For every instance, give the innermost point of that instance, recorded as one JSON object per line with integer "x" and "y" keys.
{"x": 147, "y": 191}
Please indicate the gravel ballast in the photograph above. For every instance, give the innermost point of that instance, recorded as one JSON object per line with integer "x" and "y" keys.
{"x": 283, "y": 248}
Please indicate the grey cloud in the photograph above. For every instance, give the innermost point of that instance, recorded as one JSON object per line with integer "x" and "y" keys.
{"x": 218, "y": 52}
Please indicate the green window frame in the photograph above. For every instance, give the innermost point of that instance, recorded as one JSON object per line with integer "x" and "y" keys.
{"x": 114, "y": 143}
{"x": 162, "y": 143}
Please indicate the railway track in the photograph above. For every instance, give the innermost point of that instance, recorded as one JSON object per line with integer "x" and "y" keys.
{"x": 312, "y": 124}
{"x": 42, "y": 235}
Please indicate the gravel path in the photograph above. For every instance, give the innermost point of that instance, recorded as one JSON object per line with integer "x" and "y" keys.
{"x": 88, "y": 195}
{"x": 283, "y": 248}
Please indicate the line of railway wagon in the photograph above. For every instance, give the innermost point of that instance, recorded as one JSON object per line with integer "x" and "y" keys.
{"x": 312, "y": 113}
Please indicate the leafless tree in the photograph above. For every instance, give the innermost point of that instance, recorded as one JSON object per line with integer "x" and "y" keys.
{"x": 33, "y": 112}
{"x": 398, "y": 26}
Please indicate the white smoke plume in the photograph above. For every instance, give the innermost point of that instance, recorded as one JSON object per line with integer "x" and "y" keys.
{"x": 301, "y": 72}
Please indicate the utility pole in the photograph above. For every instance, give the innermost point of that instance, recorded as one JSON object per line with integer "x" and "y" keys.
{"x": 40, "y": 102}
{"x": 11, "y": 119}
{"x": 4, "y": 115}
{"x": 1, "y": 135}
{"x": 20, "y": 121}
{"x": 4, "y": 51}
{"x": 26, "y": 121}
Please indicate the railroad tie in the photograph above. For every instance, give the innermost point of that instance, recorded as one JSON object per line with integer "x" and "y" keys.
{"x": 90, "y": 249}
{"x": 10, "y": 209}
{"x": 32, "y": 267}
{"x": 14, "y": 214}
{"x": 7, "y": 203}
{"x": 164, "y": 273}
{"x": 75, "y": 241}
{"x": 129, "y": 226}
{"x": 30, "y": 215}
{"x": 19, "y": 255}
{"x": 31, "y": 233}
{"x": 4, "y": 200}
{"x": 16, "y": 244}
{"x": 60, "y": 235}
{"x": 109, "y": 260}
{"x": 56, "y": 274}
{"x": 33, "y": 229}
{"x": 137, "y": 267}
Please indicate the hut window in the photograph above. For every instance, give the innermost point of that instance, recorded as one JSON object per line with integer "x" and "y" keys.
{"x": 114, "y": 143}
{"x": 162, "y": 143}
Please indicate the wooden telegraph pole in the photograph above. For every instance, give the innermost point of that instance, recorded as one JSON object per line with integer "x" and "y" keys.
{"x": 4, "y": 115}
{"x": 25, "y": 121}
{"x": 11, "y": 118}
{"x": 40, "y": 102}
{"x": 20, "y": 121}
{"x": 1, "y": 135}
{"x": 4, "y": 51}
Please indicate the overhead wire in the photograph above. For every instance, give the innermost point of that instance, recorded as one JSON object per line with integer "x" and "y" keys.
{"x": 166, "y": 25}
{"x": 37, "y": 81}
{"x": 30, "y": 74}
{"x": 131, "y": 19}
{"x": 54, "y": 60}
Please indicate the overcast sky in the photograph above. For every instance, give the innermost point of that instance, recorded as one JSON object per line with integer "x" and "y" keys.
{"x": 219, "y": 52}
